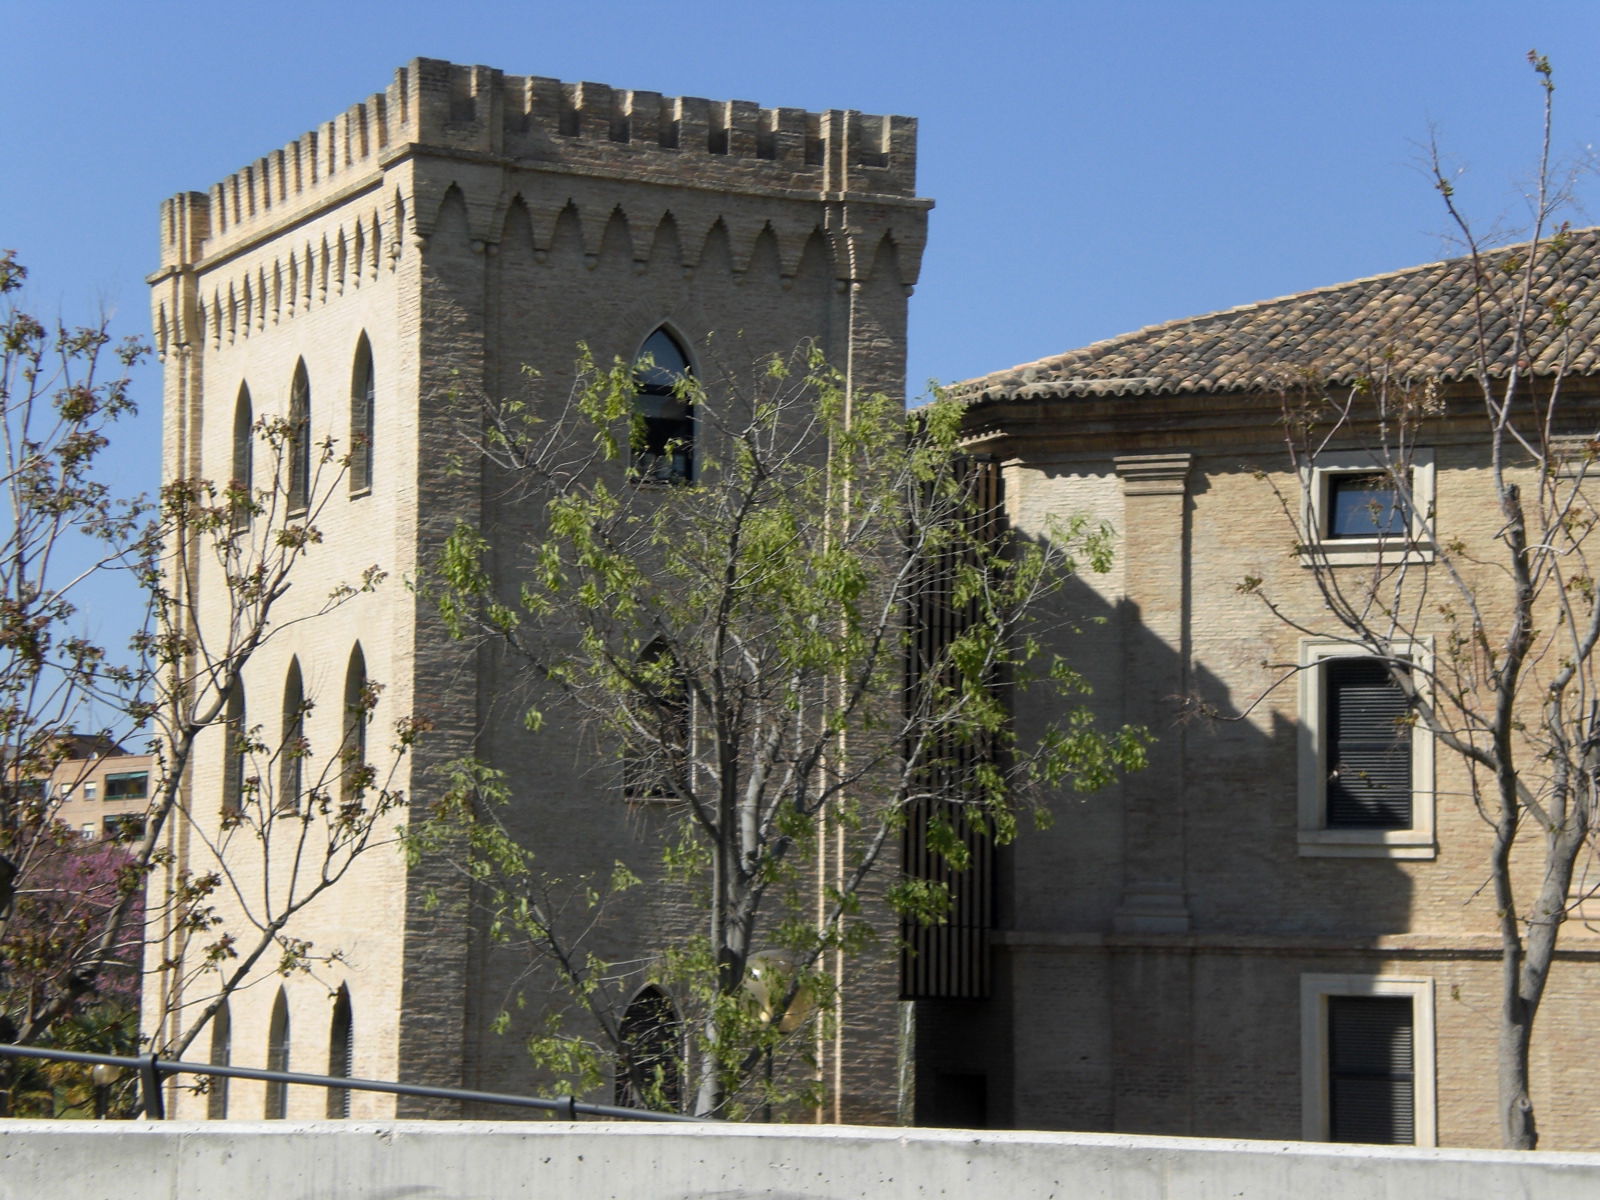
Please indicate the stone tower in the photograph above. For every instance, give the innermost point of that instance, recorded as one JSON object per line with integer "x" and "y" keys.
{"x": 439, "y": 239}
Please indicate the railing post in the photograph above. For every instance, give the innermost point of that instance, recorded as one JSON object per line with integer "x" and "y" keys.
{"x": 155, "y": 1107}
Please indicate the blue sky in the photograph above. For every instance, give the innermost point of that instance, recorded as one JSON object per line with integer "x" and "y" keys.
{"x": 1097, "y": 166}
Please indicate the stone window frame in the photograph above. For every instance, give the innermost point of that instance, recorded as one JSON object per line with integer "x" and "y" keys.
{"x": 1315, "y": 989}
{"x": 1316, "y": 839}
{"x": 1315, "y": 480}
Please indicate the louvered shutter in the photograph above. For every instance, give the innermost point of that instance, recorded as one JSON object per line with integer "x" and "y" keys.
{"x": 1369, "y": 746}
{"x": 1371, "y": 1070}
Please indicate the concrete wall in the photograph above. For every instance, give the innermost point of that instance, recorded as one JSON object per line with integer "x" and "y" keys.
{"x": 138, "y": 1161}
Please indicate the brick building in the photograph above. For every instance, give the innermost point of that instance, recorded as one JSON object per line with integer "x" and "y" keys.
{"x": 1172, "y": 956}
{"x": 369, "y": 282}
{"x": 1188, "y": 954}
{"x": 101, "y": 791}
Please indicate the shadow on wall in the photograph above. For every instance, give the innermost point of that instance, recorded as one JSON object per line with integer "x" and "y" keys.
{"x": 1151, "y": 940}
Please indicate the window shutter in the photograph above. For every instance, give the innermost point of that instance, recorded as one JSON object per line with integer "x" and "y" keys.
{"x": 1369, "y": 746}
{"x": 1371, "y": 1077}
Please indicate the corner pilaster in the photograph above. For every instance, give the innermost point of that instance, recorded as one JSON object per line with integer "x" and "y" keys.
{"x": 1155, "y": 547}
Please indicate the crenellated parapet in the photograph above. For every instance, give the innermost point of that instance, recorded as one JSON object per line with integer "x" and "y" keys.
{"x": 481, "y": 114}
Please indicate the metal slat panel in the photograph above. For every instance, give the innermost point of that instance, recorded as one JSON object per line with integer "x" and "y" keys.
{"x": 1371, "y": 1065}
{"x": 950, "y": 960}
{"x": 1369, "y": 748}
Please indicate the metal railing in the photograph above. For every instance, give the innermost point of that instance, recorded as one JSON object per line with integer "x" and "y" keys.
{"x": 152, "y": 1071}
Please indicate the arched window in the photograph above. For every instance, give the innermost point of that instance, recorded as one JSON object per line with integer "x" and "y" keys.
{"x": 221, "y": 1056}
{"x": 278, "y": 1058}
{"x": 234, "y": 752}
{"x": 298, "y": 447}
{"x": 292, "y": 751}
{"x": 649, "y": 1071}
{"x": 363, "y": 396}
{"x": 663, "y": 418}
{"x": 243, "y": 458}
{"x": 341, "y": 1052}
{"x": 659, "y": 728}
{"x": 357, "y": 712}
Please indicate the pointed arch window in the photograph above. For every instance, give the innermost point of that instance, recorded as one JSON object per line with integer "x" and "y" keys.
{"x": 292, "y": 751}
{"x": 234, "y": 751}
{"x": 243, "y": 465}
{"x": 357, "y": 712}
{"x": 277, "y": 1099}
{"x": 298, "y": 445}
{"x": 221, "y": 1056}
{"x": 363, "y": 399}
{"x": 649, "y": 1070}
{"x": 663, "y": 418}
{"x": 341, "y": 1052}
{"x": 659, "y": 728}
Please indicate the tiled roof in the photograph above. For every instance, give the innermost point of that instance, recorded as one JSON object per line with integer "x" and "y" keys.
{"x": 1418, "y": 323}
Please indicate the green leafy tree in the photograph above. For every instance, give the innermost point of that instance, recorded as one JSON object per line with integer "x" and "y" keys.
{"x": 742, "y": 644}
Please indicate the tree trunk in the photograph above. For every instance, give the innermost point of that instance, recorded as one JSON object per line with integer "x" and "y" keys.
{"x": 1518, "y": 1130}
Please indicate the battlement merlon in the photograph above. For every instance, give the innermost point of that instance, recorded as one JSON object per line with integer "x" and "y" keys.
{"x": 446, "y": 108}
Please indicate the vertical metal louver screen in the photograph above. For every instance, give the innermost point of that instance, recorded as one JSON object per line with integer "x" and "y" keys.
{"x": 1371, "y": 1065}
{"x": 1369, "y": 746}
{"x": 950, "y": 960}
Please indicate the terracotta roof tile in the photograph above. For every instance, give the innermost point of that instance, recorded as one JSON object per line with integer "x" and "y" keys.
{"x": 1420, "y": 321}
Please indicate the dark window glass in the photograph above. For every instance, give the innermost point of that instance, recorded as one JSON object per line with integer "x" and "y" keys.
{"x": 222, "y": 1056}
{"x": 128, "y": 785}
{"x": 341, "y": 1052}
{"x": 363, "y": 397}
{"x": 1371, "y": 1073}
{"x": 299, "y": 441}
{"x": 292, "y": 752}
{"x": 354, "y": 748}
{"x": 123, "y": 827}
{"x": 648, "y": 1071}
{"x": 233, "y": 771}
{"x": 659, "y": 731}
{"x": 277, "y": 1098}
{"x": 1364, "y": 505}
{"x": 1369, "y": 746}
{"x": 243, "y": 458}
{"x": 663, "y": 430}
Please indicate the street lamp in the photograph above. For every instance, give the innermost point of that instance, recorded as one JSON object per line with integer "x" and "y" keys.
{"x": 768, "y": 977}
{"x": 105, "y": 1077}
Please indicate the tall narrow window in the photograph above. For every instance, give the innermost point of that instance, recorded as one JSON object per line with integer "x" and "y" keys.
{"x": 298, "y": 447}
{"x": 1371, "y": 1070}
{"x": 353, "y": 750}
{"x": 363, "y": 396}
{"x": 292, "y": 751}
{"x": 221, "y": 1056}
{"x": 648, "y": 1071}
{"x": 341, "y": 1052}
{"x": 1369, "y": 735}
{"x": 243, "y": 458}
{"x": 663, "y": 418}
{"x": 659, "y": 728}
{"x": 234, "y": 751}
{"x": 277, "y": 1099}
